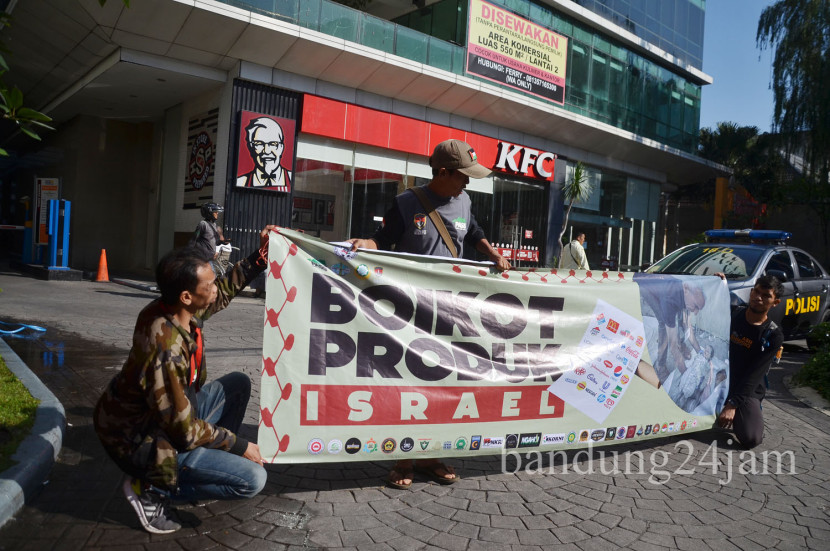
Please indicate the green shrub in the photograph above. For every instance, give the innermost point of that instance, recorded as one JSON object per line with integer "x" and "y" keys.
{"x": 819, "y": 337}
{"x": 17, "y": 414}
{"x": 816, "y": 373}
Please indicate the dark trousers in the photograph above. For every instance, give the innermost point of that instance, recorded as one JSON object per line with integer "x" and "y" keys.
{"x": 749, "y": 423}
{"x": 206, "y": 473}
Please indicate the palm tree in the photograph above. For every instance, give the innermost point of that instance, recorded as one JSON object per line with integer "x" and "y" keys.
{"x": 578, "y": 188}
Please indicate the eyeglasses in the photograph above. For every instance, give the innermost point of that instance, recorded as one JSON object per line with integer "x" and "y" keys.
{"x": 260, "y": 146}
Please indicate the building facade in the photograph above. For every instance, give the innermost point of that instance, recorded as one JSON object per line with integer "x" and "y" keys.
{"x": 312, "y": 115}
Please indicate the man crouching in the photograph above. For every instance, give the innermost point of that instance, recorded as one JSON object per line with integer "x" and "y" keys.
{"x": 173, "y": 435}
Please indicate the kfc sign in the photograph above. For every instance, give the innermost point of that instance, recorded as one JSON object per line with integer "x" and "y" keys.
{"x": 524, "y": 161}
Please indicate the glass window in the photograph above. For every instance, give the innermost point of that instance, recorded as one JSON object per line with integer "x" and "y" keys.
{"x": 594, "y": 178}
{"x": 372, "y": 193}
{"x": 339, "y": 21}
{"x": 321, "y": 199}
{"x": 444, "y": 21}
{"x": 599, "y": 84}
{"x": 706, "y": 259}
{"x": 646, "y": 108}
{"x": 378, "y": 34}
{"x": 618, "y": 92}
{"x": 515, "y": 214}
{"x": 440, "y": 54}
{"x": 578, "y": 71}
{"x": 309, "y": 14}
{"x": 411, "y": 44}
{"x": 806, "y": 267}
{"x": 612, "y": 197}
{"x": 781, "y": 261}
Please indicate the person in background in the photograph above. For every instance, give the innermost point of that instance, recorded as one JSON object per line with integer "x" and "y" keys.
{"x": 573, "y": 254}
{"x": 172, "y": 433}
{"x": 208, "y": 234}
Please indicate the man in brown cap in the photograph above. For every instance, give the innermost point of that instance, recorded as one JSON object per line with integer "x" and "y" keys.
{"x": 408, "y": 227}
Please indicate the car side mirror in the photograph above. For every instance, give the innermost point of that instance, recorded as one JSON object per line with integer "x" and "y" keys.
{"x": 779, "y": 274}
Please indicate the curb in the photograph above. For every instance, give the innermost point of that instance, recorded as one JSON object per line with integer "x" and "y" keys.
{"x": 142, "y": 286}
{"x": 808, "y": 396}
{"x": 38, "y": 452}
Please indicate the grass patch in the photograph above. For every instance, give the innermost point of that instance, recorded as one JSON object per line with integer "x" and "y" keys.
{"x": 816, "y": 373}
{"x": 17, "y": 414}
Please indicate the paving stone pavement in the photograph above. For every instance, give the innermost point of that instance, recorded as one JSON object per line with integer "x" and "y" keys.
{"x": 694, "y": 491}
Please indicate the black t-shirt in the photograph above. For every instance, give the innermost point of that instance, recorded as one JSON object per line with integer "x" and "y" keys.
{"x": 751, "y": 351}
{"x": 407, "y": 226}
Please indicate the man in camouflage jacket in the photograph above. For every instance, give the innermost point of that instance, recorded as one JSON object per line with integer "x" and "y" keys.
{"x": 158, "y": 420}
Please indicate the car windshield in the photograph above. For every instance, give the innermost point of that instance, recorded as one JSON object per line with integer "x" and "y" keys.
{"x": 735, "y": 261}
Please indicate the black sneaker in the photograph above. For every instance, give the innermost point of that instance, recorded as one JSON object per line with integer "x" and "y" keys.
{"x": 150, "y": 507}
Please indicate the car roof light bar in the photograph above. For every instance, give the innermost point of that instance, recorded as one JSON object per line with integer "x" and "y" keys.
{"x": 760, "y": 235}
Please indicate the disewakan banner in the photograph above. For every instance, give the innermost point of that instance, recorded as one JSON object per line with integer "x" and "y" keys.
{"x": 372, "y": 355}
{"x": 516, "y": 52}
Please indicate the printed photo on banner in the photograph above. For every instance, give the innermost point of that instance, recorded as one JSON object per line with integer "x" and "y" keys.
{"x": 685, "y": 330}
{"x": 375, "y": 354}
{"x": 266, "y": 152}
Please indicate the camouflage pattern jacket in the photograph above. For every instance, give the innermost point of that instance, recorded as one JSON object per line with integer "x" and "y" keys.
{"x": 147, "y": 413}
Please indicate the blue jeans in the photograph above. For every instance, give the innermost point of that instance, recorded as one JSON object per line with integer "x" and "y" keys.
{"x": 206, "y": 473}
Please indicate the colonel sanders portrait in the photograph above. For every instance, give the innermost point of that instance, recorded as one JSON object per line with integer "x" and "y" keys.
{"x": 265, "y": 143}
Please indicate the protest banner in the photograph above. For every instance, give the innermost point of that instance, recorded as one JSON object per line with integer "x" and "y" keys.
{"x": 374, "y": 355}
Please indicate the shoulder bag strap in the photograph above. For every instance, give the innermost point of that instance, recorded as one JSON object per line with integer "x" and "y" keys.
{"x": 436, "y": 219}
{"x": 571, "y": 251}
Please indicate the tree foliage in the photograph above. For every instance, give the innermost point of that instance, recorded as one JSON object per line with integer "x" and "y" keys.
{"x": 577, "y": 189}
{"x": 798, "y": 31}
{"x": 28, "y": 120}
{"x": 754, "y": 158}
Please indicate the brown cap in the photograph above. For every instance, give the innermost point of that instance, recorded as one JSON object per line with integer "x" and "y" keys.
{"x": 458, "y": 155}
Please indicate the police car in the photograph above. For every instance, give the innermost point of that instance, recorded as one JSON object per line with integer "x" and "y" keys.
{"x": 744, "y": 256}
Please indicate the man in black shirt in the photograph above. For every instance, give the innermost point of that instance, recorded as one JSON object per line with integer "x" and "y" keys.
{"x": 754, "y": 342}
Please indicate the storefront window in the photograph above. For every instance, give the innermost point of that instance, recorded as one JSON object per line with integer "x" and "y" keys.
{"x": 372, "y": 195}
{"x": 321, "y": 199}
{"x": 348, "y": 194}
{"x": 515, "y": 214}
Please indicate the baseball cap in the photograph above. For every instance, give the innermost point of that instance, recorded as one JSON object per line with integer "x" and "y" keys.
{"x": 458, "y": 155}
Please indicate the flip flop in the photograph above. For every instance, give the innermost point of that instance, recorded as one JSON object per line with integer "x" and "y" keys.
{"x": 395, "y": 475}
{"x": 431, "y": 471}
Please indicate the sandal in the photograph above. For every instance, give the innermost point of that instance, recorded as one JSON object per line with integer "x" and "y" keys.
{"x": 431, "y": 471}
{"x": 398, "y": 474}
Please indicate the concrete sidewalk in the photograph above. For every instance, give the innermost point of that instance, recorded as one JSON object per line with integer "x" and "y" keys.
{"x": 691, "y": 493}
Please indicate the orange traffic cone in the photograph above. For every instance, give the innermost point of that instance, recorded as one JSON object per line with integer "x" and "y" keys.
{"x": 103, "y": 275}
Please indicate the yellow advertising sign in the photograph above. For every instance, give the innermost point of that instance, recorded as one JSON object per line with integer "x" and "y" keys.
{"x": 518, "y": 53}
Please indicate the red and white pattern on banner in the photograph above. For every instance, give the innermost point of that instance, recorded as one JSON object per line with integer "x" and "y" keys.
{"x": 269, "y": 365}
